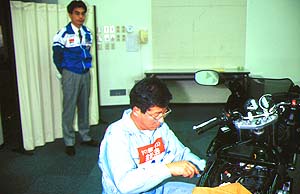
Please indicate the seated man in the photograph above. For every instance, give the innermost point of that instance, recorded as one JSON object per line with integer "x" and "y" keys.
{"x": 139, "y": 152}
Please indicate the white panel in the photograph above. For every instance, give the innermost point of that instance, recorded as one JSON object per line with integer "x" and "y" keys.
{"x": 198, "y": 34}
{"x": 273, "y": 40}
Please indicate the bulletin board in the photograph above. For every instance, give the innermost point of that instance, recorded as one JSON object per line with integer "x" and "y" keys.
{"x": 198, "y": 34}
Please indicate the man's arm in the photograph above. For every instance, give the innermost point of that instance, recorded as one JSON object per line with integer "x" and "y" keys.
{"x": 183, "y": 155}
{"x": 58, "y": 57}
{"x": 183, "y": 168}
{"x": 58, "y": 50}
{"x": 116, "y": 159}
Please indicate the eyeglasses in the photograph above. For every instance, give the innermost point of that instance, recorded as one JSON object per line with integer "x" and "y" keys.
{"x": 161, "y": 115}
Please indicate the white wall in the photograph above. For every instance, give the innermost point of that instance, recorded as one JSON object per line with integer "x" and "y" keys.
{"x": 118, "y": 67}
{"x": 272, "y": 47}
{"x": 198, "y": 34}
{"x": 273, "y": 38}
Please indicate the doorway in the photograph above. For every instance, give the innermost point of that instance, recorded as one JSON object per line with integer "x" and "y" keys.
{"x": 9, "y": 103}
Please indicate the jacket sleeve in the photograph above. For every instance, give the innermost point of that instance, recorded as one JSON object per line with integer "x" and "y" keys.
{"x": 181, "y": 152}
{"x": 58, "y": 51}
{"x": 116, "y": 162}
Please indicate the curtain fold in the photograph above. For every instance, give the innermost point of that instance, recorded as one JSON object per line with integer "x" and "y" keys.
{"x": 40, "y": 94}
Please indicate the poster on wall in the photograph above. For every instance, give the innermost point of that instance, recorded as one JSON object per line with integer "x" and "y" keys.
{"x": 132, "y": 43}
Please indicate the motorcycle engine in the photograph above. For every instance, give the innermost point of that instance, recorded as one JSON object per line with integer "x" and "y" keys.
{"x": 253, "y": 177}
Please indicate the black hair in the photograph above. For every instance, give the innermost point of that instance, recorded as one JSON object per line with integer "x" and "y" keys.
{"x": 75, "y": 4}
{"x": 149, "y": 92}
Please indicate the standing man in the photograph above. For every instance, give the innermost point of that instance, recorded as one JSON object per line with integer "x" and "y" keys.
{"x": 139, "y": 152}
{"x": 71, "y": 55}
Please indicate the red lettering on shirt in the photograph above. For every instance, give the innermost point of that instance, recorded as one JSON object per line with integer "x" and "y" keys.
{"x": 71, "y": 40}
{"x": 148, "y": 152}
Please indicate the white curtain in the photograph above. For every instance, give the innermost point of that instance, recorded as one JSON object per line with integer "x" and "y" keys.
{"x": 40, "y": 94}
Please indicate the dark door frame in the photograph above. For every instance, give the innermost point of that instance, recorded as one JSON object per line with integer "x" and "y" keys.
{"x": 9, "y": 97}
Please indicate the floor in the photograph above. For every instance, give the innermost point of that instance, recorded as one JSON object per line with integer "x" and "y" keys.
{"x": 48, "y": 170}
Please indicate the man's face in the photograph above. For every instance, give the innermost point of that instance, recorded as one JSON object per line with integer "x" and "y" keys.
{"x": 77, "y": 17}
{"x": 151, "y": 119}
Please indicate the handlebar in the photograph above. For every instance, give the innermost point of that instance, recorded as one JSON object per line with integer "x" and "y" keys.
{"x": 201, "y": 128}
{"x": 205, "y": 126}
{"x": 257, "y": 121}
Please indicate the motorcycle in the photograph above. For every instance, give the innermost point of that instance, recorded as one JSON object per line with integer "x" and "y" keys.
{"x": 256, "y": 144}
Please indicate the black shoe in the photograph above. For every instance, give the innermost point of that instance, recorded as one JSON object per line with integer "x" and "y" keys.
{"x": 92, "y": 143}
{"x": 70, "y": 150}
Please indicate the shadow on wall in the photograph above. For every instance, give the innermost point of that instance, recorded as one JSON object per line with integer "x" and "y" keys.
{"x": 188, "y": 91}
{"x": 178, "y": 91}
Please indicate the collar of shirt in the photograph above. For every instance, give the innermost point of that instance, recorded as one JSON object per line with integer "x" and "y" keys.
{"x": 75, "y": 29}
{"x": 133, "y": 128}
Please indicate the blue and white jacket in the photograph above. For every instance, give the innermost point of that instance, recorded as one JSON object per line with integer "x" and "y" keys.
{"x": 71, "y": 54}
{"x": 134, "y": 161}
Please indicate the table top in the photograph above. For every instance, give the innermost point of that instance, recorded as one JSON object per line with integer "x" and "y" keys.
{"x": 188, "y": 74}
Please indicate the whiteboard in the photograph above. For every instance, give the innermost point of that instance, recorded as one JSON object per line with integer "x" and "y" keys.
{"x": 198, "y": 34}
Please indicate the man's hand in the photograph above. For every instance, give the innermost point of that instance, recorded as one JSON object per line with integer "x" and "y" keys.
{"x": 58, "y": 73}
{"x": 58, "y": 76}
{"x": 183, "y": 168}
